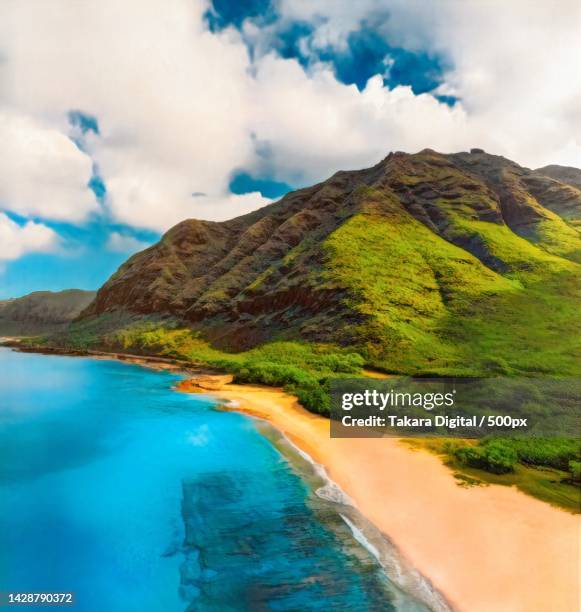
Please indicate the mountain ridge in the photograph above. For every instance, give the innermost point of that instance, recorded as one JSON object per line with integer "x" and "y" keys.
{"x": 42, "y": 311}
{"x": 495, "y": 230}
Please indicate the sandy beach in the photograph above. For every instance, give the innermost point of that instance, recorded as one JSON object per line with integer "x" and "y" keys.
{"x": 486, "y": 549}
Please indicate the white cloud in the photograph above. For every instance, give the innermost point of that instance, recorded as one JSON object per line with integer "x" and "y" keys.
{"x": 180, "y": 108}
{"x": 233, "y": 205}
{"x": 316, "y": 126}
{"x": 16, "y": 240}
{"x": 412, "y": 24}
{"x": 516, "y": 66}
{"x": 172, "y": 100}
{"x": 335, "y": 20}
{"x": 42, "y": 173}
{"x": 120, "y": 243}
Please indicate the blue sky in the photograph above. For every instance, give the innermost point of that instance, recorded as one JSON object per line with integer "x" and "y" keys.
{"x": 112, "y": 138}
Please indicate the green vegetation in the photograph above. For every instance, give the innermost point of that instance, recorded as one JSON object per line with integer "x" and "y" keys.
{"x": 554, "y": 452}
{"x": 548, "y": 469}
{"x": 575, "y": 470}
{"x": 496, "y": 456}
{"x": 500, "y": 455}
{"x": 448, "y": 313}
{"x": 559, "y": 238}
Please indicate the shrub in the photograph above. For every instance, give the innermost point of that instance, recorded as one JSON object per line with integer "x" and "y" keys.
{"x": 314, "y": 398}
{"x": 551, "y": 452}
{"x": 494, "y": 456}
{"x": 500, "y": 457}
{"x": 575, "y": 471}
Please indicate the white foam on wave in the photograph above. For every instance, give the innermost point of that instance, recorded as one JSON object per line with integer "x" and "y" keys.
{"x": 360, "y": 537}
{"x": 330, "y": 491}
{"x": 408, "y": 579}
{"x": 333, "y": 493}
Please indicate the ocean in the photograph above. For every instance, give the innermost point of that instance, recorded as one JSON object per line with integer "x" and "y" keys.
{"x": 133, "y": 496}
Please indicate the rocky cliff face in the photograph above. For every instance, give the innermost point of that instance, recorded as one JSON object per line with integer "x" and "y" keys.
{"x": 285, "y": 270}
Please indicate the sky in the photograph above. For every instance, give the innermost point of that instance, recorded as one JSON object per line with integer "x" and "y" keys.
{"x": 120, "y": 119}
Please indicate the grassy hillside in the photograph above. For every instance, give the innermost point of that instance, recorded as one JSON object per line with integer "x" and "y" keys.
{"x": 424, "y": 264}
{"x": 429, "y": 306}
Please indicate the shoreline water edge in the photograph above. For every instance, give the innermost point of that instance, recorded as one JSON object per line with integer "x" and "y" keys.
{"x": 453, "y": 548}
{"x": 483, "y": 548}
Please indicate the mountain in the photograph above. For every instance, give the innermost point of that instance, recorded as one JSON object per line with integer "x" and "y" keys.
{"x": 565, "y": 174}
{"x": 546, "y": 184}
{"x": 42, "y": 311}
{"x": 424, "y": 262}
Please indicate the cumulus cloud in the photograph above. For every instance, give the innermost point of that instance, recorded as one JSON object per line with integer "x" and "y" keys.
{"x": 315, "y": 126}
{"x": 514, "y": 66}
{"x": 17, "y": 240}
{"x": 406, "y": 23}
{"x": 120, "y": 243}
{"x": 181, "y": 108}
{"x": 171, "y": 98}
{"x": 233, "y": 205}
{"x": 42, "y": 173}
{"x": 519, "y": 75}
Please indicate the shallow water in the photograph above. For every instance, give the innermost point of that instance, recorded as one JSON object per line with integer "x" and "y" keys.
{"x": 136, "y": 497}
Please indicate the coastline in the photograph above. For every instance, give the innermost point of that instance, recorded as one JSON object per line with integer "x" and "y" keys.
{"x": 483, "y": 548}
{"x": 149, "y": 361}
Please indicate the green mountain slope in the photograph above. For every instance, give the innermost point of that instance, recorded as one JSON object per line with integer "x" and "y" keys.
{"x": 425, "y": 263}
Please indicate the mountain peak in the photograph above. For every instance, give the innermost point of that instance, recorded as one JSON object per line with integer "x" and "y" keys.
{"x": 393, "y": 248}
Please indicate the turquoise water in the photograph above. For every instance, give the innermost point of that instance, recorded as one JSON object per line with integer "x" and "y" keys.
{"x": 136, "y": 497}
